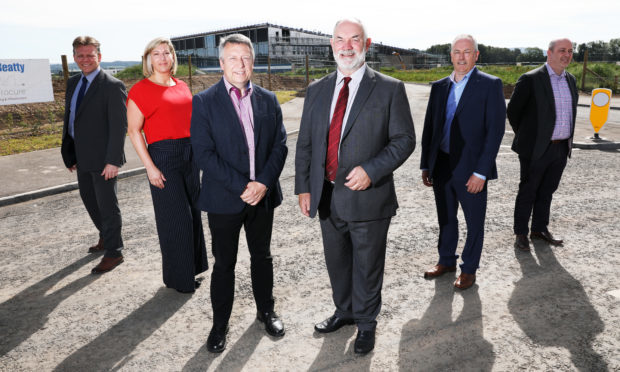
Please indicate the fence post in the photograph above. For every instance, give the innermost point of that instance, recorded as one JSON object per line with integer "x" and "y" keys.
{"x": 307, "y": 72}
{"x": 269, "y": 72}
{"x": 585, "y": 68}
{"x": 65, "y": 68}
{"x": 189, "y": 62}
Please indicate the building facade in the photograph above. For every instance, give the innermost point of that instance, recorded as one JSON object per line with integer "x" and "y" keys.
{"x": 286, "y": 48}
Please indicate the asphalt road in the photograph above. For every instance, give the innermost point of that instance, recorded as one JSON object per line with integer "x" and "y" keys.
{"x": 556, "y": 308}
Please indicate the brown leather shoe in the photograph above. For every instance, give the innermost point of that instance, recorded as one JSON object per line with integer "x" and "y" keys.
{"x": 439, "y": 270}
{"x": 107, "y": 264}
{"x": 465, "y": 281}
{"x": 522, "y": 243}
{"x": 546, "y": 236}
{"x": 98, "y": 248}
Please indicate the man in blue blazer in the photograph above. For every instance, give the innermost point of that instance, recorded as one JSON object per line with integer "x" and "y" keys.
{"x": 463, "y": 129}
{"x": 239, "y": 143}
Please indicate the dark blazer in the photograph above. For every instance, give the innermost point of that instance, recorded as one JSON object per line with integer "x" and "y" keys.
{"x": 378, "y": 136}
{"x": 531, "y": 112}
{"x": 100, "y": 124}
{"x": 477, "y": 128}
{"x": 220, "y": 148}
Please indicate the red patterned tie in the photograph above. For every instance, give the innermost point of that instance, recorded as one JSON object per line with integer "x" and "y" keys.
{"x": 335, "y": 128}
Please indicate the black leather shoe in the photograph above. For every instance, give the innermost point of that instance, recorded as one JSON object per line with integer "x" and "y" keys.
{"x": 273, "y": 324}
{"x": 522, "y": 243}
{"x": 331, "y": 324}
{"x": 364, "y": 342}
{"x": 546, "y": 236}
{"x": 216, "y": 342}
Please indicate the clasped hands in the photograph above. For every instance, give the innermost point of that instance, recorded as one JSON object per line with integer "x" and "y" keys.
{"x": 254, "y": 192}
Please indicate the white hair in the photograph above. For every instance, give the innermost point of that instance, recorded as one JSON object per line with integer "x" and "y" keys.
{"x": 465, "y": 37}
{"x": 355, "y": 21}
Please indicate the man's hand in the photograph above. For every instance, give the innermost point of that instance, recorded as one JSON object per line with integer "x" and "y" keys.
{"x": 425, "y": 179}
{"x": 474, "y": 184}
{"x": 304, "y": 203}
{"x": 254, "y": 192}
{"x": 110, "y": 171}
{"x": 72, "y": 168}
{"x": 156, "y": 177}
{"x": 357, "y": 179}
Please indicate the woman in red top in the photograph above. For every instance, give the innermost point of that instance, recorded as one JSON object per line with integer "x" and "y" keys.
{"x": 162, "y": 106}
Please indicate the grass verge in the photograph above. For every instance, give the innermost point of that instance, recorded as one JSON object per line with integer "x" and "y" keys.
{"x": 29, "y": 143}
{"x": 52, "y": 137}
{"x": 284, "y": 96}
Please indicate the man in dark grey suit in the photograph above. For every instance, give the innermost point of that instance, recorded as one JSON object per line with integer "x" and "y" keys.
{"x": 356, "y": 129}
{"x": 92, "y": 144}
{"x": 542, "y": 112}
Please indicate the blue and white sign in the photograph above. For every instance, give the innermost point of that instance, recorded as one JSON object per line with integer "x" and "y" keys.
{"x": 25, "y": 81}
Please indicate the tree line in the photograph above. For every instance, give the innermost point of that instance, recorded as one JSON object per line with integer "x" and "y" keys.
{"x": 597, "y": 51}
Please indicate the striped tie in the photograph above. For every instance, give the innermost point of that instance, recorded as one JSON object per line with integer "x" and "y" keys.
{"x": 335, "y": 128}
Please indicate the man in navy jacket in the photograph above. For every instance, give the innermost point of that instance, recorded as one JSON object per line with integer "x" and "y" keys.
{"x": 239, "y": 143}
{"x": 463, "y": 129}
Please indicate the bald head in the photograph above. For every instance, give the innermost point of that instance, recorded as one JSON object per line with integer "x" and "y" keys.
{"x": 560, "y": 54}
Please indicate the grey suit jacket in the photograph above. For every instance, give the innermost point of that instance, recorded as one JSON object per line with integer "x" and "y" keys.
{"x": 378, "y": 136}
{"x": 100, "y": 124}
{"x": 531, "y": 112}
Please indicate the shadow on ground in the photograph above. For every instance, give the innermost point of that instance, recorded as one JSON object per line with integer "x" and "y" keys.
{"x": 552, "y": 308}
{"x": 334, "y": 354}
{"x": 27, "y": 312}
{"x": 112, "y": 349}
{"x": 435, "y": 342}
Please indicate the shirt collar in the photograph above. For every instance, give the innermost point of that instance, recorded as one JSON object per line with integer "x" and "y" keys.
{"x": 355, "y": 77}
{"x": 552, "y": 73}
{"x": 229, "y": 86}
{"x": 464, "y": 79}
{"x": 90, "y": 77}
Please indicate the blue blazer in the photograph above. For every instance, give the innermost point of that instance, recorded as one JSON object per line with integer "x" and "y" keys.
{"x": 477, "y": 128}
{"x": 221, "y": 152}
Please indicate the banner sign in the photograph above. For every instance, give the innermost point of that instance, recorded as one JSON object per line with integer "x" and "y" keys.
{"x": 25, "y": 81}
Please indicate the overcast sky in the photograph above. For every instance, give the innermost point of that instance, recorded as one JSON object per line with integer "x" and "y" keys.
{"x": 45, "y": 29}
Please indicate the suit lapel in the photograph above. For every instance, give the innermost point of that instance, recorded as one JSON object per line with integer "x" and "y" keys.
{"x": 71, "y": 89}
{"x": 444, "y": 92}
{"x": 256, "y": 98}
{"x": 92, "y": 89}
{"x": 470, "y": 89}
{"x": 324, "y": 103}
{"x": 366, "y": 86}
{"x": 226, "y": 104}
{"x": 544, "y": 75}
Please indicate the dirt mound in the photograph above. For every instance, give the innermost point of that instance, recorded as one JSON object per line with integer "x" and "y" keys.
{"x": 22, "y": 118}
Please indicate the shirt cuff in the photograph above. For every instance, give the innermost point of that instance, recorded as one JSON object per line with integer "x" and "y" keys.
{"x": 480, "y": 176}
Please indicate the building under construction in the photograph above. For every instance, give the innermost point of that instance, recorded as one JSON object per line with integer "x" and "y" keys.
{"x": 286, "y": 48}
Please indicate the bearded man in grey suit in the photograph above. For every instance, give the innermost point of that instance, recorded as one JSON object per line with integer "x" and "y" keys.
{"x": 356, "y": 129}
{"x": 93, "y": 142}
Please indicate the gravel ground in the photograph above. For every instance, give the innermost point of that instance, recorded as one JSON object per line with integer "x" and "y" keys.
{"x": 553, "y": 309}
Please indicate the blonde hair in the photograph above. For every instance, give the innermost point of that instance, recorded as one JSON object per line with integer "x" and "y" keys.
{"x": 84, "y": 41}
{"x": 235, "y": 39}
{"x": 147, "y": 66}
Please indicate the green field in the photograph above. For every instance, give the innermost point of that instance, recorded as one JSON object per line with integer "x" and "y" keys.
{"x": 510, "y": 74}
